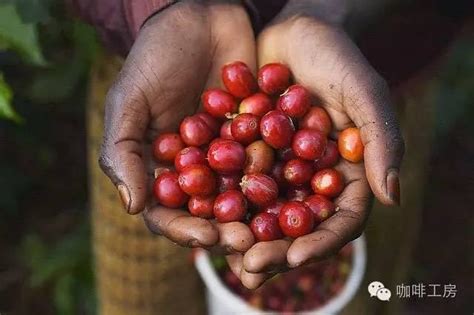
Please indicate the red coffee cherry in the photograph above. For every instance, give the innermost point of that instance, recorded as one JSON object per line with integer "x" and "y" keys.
{"x": 238, "y": 79}
{"x": 226, "y": 132}
{"x": 167, "y": 191}
{"x": 273, "y": 78}
{"x": 227, "y": 182}
{"x": 286, "y": 154}
{"x": 226, "y": 156}
{"x": 298, "y": 172}
{"x": 230, "y": 206}
{"x": 189, "y": 156}
{"x": 321, "y": 207}
{"x": 195, "y": 132}
{"x": 350, "y": 145}
{"x": 245, "y": 128}
{"x": 309, "y": 144}
{"x": 218, "y": 103}
{"x": 277, "y": 174}
{"x": 260, "y": 158}
{"x": 298, "y": 193}
{"x": 295, "y": 102}
{"x": 296, "y": 219}
{"x": 259, "y": 189}
{"x": 258, "y": 104}
{"x": 265, "y": 227}
{"x": 317, "y": 119}
{"x": 197, "y": 180}
{"x": 327, "y": 182}
{"x": 166, "y": 146}
{"x": 273, "y": 208}
{"x": 211, "y": 122}
{"x": 202, "y": 206}
{"x": 329, "y": 158}
{"x": 277, "y": 129}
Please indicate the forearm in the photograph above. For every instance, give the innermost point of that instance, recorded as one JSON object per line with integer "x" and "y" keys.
{"x": 118, "y": 21}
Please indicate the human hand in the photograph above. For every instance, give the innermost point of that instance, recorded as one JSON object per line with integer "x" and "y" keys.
{"x": 324, "y": 59}
{"x": 178, "y": 53}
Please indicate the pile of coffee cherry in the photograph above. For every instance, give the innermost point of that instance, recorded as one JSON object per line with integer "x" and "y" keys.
{"x": 260, "y": 153}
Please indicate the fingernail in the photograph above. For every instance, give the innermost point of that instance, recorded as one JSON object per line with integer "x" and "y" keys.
{"x": 393, "y": 186}
{"x": 124, "y": 196}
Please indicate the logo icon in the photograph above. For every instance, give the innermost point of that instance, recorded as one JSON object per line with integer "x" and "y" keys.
{"x": 377, "y": 289}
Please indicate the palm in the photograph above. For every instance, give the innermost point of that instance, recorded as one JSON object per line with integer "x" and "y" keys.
{"x": 177, "y": 55}
{"x": 324, "y": 59}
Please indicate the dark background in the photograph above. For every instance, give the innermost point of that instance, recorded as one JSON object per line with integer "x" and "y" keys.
{"x": 45, "y": 58}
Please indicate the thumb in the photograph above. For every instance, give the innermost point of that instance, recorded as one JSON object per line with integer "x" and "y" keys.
{"x": 126, "y": 118}
{"x": 371, "y": 110}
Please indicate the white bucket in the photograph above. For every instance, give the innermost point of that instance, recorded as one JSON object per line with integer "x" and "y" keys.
{"x": 222, "y": 301}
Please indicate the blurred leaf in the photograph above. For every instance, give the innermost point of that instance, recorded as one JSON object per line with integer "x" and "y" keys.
{"x": 455, "y": 88}
{"x": 59, "y": 81}
{"x": 33, "y": 249}
{"x": 69, "y": 254}
{"x": 18, "y": 36}
{"x": 13, "y": 184}
{"x": 63, "y": 295}
{"x": 6, "y": 109}
{"x": 33, "y": 11}
{"x": 56, "y": 83}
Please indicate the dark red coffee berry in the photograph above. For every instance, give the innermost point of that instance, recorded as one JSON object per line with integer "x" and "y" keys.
{"x": 327, "y": 182}
{"x": 259, "y": 189}
{"x": 296, "y": 219}
{"x": 166, "y": 146}
{"x": 189, "y": 156}
{"x": 277, "y": 129}
{"x": 167, "y": 191}
{"x": 195, "y": 132}
{"x": 258, "y": 104}
{"x": 273, "y": 78}
{"x": 218, "y": 103}
{"x": 265, "y": 227}
{"x": 309, "y": 144}
{"x": 321, "y": 207}
{"x": 238, "y": 79}
{"x": 330, "y": 157}
{"x": 197, "y": 180}
{"x": 226, "y": 156}
{"x": 230, "y": 206}
{"x": 298, "y": 172}
{"x": 295, "y": 102}
{"x": 202, "y": 206}
{"x": 245, "y": 128}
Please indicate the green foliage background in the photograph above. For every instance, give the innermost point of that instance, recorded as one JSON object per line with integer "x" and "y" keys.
{"x": 45, "y": 57}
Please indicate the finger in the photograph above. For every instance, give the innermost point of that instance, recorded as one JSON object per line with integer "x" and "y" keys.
{"x": 180, "y": 227}
{"x": 235, "y": 263}
{"x": 345, "y": 225}
{"x": 250, "y": 280}
{"x": 237, "y": 46}
{"x": 371, "y": 110}
{"x": 126, "y": 119}
{"x": 267, "y": 257}
{"x": 253, "y": 281}
{"x": 234, "y": 237}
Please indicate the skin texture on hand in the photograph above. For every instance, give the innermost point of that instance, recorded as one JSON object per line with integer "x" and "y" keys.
{"x": 178, "y": 53}
{"x": 324, "y": 59}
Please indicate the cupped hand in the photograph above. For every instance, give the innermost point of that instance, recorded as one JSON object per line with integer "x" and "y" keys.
{"x": 324, "y": 59}
{"x": 178, "y": 53}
